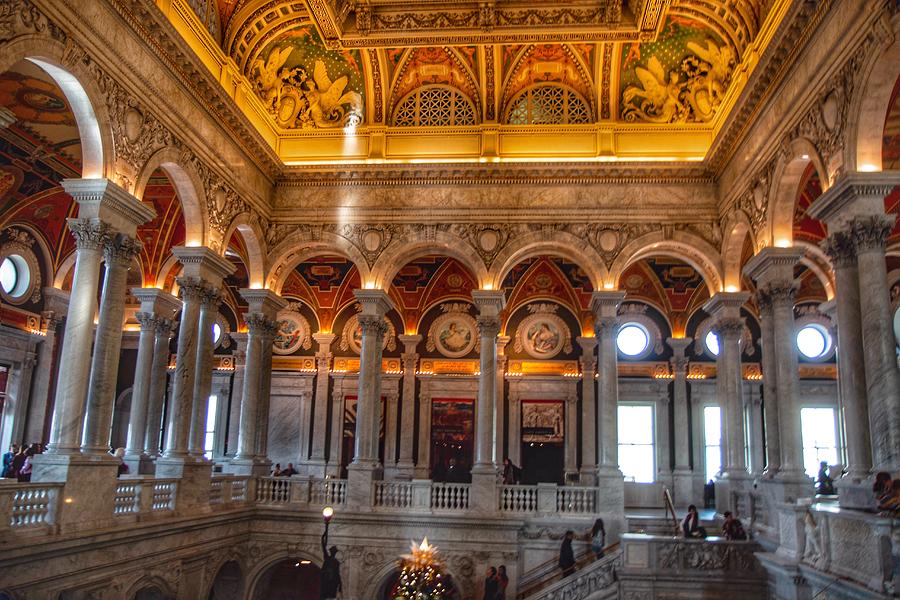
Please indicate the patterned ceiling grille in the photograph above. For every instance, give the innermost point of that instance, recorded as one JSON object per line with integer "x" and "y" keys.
{"x": 434, "y": 106}
{"x": 208, "y": 13}
{"x": 548, "y": 104}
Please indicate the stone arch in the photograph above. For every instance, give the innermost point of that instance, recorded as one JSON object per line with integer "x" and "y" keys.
{"x": 562, "y": 244}
{"x": 273, "y": 556}
{"x": 870, "y": 104}
{"x": 406, "y": 250}
{"x": 785, "y": 183}
{"x": 148, "y": 582}
{"x": 735, "y": 232}
{"x": 818, "y": 262}
{"x": 81, "y": 91}
{"x": 62, "y": 271}
{"x": 218, "y": 570}
{"x": 299, "y": 247}
{"x": 190, "y": 192}
{"x": 684, "y": 246}
{"x": 254, "y": 240}
{"x": 381, "y": 577}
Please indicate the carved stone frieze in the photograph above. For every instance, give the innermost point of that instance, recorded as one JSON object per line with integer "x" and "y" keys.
{"x": 18, "y": 17}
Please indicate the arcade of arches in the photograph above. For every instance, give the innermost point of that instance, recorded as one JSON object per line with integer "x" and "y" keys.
{"x": 635, "y": 249}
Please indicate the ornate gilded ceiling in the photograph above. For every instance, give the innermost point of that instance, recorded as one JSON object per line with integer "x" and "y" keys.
{"x": 346, "y": 80}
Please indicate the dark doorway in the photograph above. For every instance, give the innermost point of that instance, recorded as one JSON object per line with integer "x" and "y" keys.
{"x": 452, "y": 439}
{"x": 290, "y": 579}
{"x": 542, "y": 463}
{"x": 229, "y": 582}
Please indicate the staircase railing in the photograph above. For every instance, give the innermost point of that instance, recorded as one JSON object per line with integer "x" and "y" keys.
{"x": 584, "y": 562}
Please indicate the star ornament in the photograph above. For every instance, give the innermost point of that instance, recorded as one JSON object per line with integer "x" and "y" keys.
{"x": 422, "y": 556}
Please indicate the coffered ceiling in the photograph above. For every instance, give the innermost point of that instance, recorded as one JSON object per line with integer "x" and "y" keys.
{"x": 349, "y": 81}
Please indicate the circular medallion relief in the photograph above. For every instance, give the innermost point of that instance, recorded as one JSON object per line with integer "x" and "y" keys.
{"x": 453, "y": 334}
{"x": 488, "y": 240}
{"x": 293, "y": 333}
{"x": 352, "y": 336}
{"x": 608, "y": 240}
{"x": 371, "y": 240}
{"x": 543, "y": 335}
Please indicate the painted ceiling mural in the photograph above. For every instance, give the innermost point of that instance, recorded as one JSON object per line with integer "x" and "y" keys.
{"x": 423, "y": 282}
{"x": 671, "y": 285}
{"x": 326, "y": 284}
{"x": 678, "y": 73}
{"x": 805, "y": 227}
{"x": 162, "y": 233}
{"x": 890, "y": 155}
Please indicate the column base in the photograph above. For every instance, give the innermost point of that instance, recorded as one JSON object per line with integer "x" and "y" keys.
{"x": 193, "y": 488}
{"x": 421, "y": 472}
{"x": 483, "y": 491}
{"x": 611, "y": 489}
{"x": 248, "y": 466}
{"x": 791, "y": 485}
{"x": 140, "y": 464}
{"x": 588, "y": 475}
{"x": 729, "y": 489}
{"x": 856, "y": 493}
{"x": 683, "y": 488}
{"x": 90, "y": 488}
{"x": 360, "y": 476}
{"x": 315, "y": 468}
{"x": 406, "y": 470}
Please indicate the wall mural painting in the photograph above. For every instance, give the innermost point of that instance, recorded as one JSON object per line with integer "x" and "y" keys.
{"x": 293, "y": 331}
{"x": 542, "y": 422}
{"x": 682, "y": 77}
{"x": 550, "y": 63}
{"x": 543, "y": 334}
{"x": 454, "y": 333}
{"x": 423, "y": 66}
{"x": 452, "y": 435}
{"x": 306, "y": 86}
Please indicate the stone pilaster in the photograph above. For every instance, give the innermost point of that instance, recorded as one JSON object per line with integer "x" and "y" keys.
{"x": 263, "y": 307}
{"x": 588, "y": 472}
{"x": 773, "y": 271}
{"x": 570, "y": 456}
{"x": 157, "y": 310}
{"x": 365, "y": 466}
{"x": 854, "y": 206}
{"x": 239, "y": 354}
{"x": 391, "y": 406}
{"x": 210, "y": 300}
{"x": 410, "y": 358}
{"x": 500, "y": 398}
{"x": 423, "y": 457}
{"x": 41, "y": 403}
{"x": 682, "y": 475}
{"x": 315, "y": 466}
{"x": 770, "y": 389}
{"x": 728, "y": 325}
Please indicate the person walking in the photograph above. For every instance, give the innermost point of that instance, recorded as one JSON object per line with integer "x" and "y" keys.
{"x": 502, "y": 582}
{"x": 598, "y": 538}
{"x": 490, "y": 584}
{"x": 567, "y": 555}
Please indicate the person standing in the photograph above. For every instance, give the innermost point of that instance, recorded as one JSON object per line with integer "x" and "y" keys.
{"x": 732, "y": 529}
{"x": 8, "y": 461}
{"x": 24, "y": 472}
{"x": 598, "y": 538}
{"x": 490, "y": 584}
{"x": 691, "y": 524}
{"x": 567, "y": 555}
{"x": 502, "y": 582}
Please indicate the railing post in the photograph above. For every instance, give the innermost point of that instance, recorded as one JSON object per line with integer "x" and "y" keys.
{"x": 6, "y": 507}
{"x": 421, "y": 494}
{"x": 546, "y": 498}
{"x": 145, "y": 497}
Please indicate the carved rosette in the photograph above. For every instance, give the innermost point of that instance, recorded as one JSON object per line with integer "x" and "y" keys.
{"x": 89, "y": 234}
{"x": 870, "y": 233}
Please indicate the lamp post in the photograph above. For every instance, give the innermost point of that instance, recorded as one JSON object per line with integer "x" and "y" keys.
{"x": 327, "y": 513}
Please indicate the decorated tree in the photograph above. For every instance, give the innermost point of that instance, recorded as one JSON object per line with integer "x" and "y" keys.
{"x": 422, "y": 575}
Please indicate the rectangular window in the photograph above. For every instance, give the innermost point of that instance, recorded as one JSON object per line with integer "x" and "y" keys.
{"x": 210, "y": 434}
{"x": 636, "y": 452}
{"x": 712, "y": 441}
{"x": 819, "y": 431}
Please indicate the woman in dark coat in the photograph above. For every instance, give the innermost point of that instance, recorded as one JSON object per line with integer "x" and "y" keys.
{"x": 567, "y": 555}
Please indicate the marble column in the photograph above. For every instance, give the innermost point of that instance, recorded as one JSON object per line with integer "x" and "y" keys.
{"x": 315, "y": 466}
{"x": 265, "y": 394}
{"x": 202, "y": 269}
{"x": 753, "y": 402}
{"x": 263, "y": 307}
{"x": 588, "y": 472}
{"x": 333, "y": 466}
{"x": 682, "y": 475}
{"x": 423, "y": 457}
{"x": 854, "y": 206}
{"x": 500, "y": 395}
{"x": 210, "y": 300}
{"x": 606, "y": 325}
{"x": 770, "y": 388}
{"x": 391, "y": 406}
{"x": 570, "y": 457}
{"x": 118, "y": 253}
{"x": 725, "y": 310}
{"x": 410, "y": 358}
{"x": 157, "y": 307}
{"x": 239, "y": 354}
{"x": 484, "y": 469}
{"x": 514, "y": 440}
{"x": 773, "y": 271}
{"x": 41, "y": 401}
{"x": 156, "y": 394}
{"x": 365, "y": 466}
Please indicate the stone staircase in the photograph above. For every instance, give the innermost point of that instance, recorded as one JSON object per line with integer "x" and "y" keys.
{"x": 547, "y": 578}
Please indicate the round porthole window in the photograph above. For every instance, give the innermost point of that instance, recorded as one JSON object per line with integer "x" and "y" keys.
{"x": 15, "y": 277}
{"x": 633, "y": 339}
{"x": 217, "y": 333}
{"x": 813, "y": 341}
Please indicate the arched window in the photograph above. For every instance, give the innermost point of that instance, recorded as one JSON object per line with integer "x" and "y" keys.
{"x": 434, "y": 106}
{"x": 548, "y": 104}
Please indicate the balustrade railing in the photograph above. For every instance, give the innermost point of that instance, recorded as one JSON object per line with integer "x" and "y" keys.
{"x": 393, "y": 494}
{"x": 450, "y": 496}
{"x": 331, "y": 492}
{"x": 576, "y": 500}
{"x": 225, "y": 490}
{"x": 30, "y": 505}
{"x": 162, "y": 497}
{"x": 273, "y": 490}
{"x": 518, "y": 498}
{"x": 128, "y": 498}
